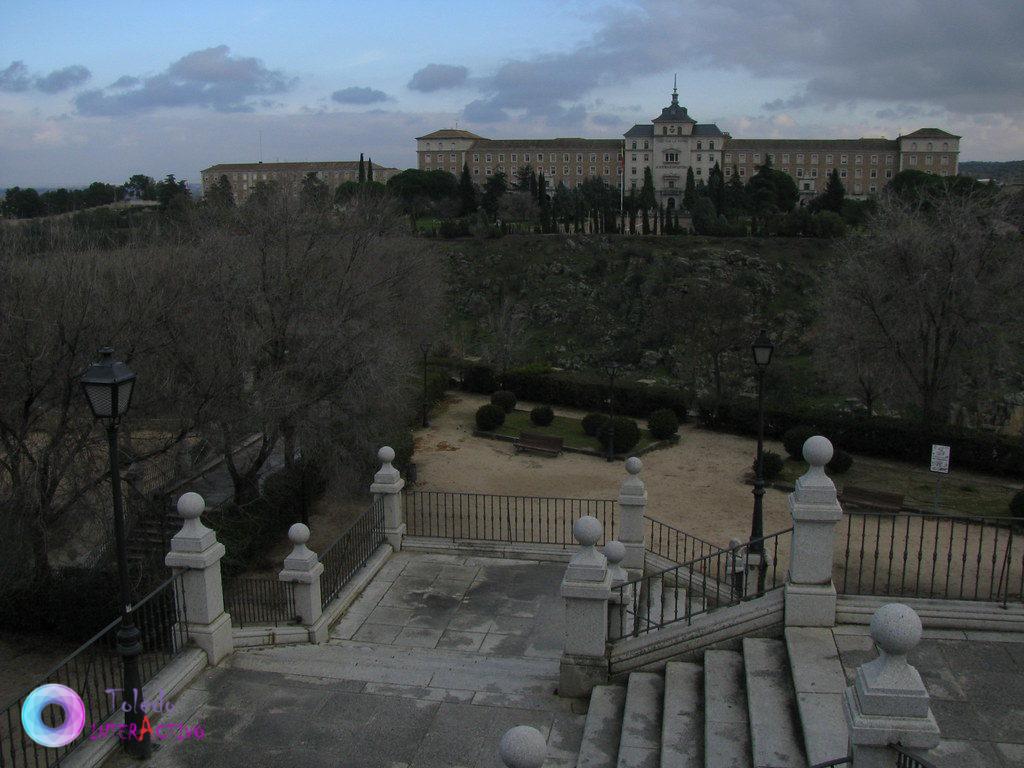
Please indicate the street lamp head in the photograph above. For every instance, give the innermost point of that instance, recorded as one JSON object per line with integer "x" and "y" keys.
{"x": 108, "y": 386}
{"x": 763, "y": 349}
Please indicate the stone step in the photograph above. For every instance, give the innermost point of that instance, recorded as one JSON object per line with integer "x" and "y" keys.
{"x": 603, "y": 727}
{"x": 682, "y": 722}
{"x": 640, "y": 743}
{"x": 726, "y": 722}
{"x": 771, "y": 705}
{"x": 819, "y": 681}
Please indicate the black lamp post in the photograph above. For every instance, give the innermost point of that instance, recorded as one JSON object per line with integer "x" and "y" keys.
{"x": 108, "y": 386}
{"x": 612, "y": 370}
{"x": 762, "y": 349}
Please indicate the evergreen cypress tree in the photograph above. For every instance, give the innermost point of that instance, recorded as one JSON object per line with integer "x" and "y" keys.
{"x": 369, "y": 169}
{"x": 690, "y": 193}
{"x": 716, "y": 188}
{"x": 467, "y": 193}
{"x": 648, "y": 201}
{"x": 362, "y": 169}
{"x": 544, "y": 201}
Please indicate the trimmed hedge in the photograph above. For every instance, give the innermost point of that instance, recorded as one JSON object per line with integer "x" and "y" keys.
{"x": 794, "y": 438}
{"x": 841, "y": 462}
{"x": 505, "y": 400}
{"x": 575, "y": 391}
{"x": 623, "y": 433}
{"x": 772, "y": 465}
{"x": 593, "y": 422}
{"x": 489, "y": 417}
{"x": 542, "y": 415}
{"x": 663, "y": 423}
{"x": 880, "y": 436}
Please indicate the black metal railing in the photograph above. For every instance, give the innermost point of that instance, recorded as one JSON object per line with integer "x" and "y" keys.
{"x": 836, "y": 761}
{"x": 673, "y": 544}
{"x": 260, "y": 600}
{"x": 492, "y": 517}
{"x": 907, "y": 759}
{"x": 696, "y": 587}
{"x": 930, "y": 556}
{"x": 350, "y": 550}
{"x": 94, "y": 671}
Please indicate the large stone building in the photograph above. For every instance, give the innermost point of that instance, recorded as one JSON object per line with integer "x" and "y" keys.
{"x": 568, "y": 160}
{"x": 674, "y": 142}
{"x": 244, "y": 176}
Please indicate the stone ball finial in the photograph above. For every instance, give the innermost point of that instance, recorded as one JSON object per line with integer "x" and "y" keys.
{"x": 298, "y": 533}
{"x": 587, "y": 530}
{"x": 634, "y": 465}
{"x": 191, "y": 505}
{"x": 386, "y": 454}
{"x": 896, "y": 628}
{"x": 615, "y": 551}
{"x": 523, "y": 747}
{"x": 817, "y": 451}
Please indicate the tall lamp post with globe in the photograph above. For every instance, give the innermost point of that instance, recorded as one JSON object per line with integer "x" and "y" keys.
{"x": 762, "y": 349}
{"x": 108, "y": 386}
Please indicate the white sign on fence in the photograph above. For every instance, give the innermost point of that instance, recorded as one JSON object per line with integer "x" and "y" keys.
{"x": 940, "y": 459}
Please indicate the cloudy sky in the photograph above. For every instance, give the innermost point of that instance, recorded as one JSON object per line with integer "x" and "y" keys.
{"x": 101, "y": 89}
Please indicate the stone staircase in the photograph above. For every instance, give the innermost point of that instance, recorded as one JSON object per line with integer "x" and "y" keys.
{"x": 737, "y": 709}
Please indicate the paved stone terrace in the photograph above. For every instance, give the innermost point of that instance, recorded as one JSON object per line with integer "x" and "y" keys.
{"x": 437, "y": 658}
{"x": 976, "y": 684}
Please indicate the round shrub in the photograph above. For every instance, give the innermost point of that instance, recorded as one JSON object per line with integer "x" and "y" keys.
{"x": 793, "y": 440}
{"x": 841, "y": 462}
{"x": 489, "y": 417}
{"x": 505, "y": 400}
{"x": 623, "y": 433}
{"x": 772, "y": 465}
{"x": 1017, "y": 504}
{"x": 593, "y": 422}
{"x": 663, "y": 423}
{"x": 542, "y": 415}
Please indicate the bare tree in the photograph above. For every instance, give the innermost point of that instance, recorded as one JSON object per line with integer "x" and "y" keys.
{"x": 310, "y": 324}
{"x": 936, "y": 287}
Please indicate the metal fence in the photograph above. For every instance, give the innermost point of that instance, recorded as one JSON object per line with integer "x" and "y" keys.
{"x": 492, "y": 517}
{"x": 690, "y": 589}
{"x": 675, "y": 545}
{"x": 930, "y": 556}
{"x": 95, "y": 669}
{"x": 907, "y": 759}
{"x": 350, "y": 550}
{"x": 260, "y": 600}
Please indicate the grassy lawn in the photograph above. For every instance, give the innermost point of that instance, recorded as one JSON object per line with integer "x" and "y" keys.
{"x": 570, "y": 430}
{"x": 963, "y": 494}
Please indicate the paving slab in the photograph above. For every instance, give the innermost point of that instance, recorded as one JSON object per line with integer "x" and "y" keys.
{"x": 640, "y": 742}
{"x": 726, "y": 721}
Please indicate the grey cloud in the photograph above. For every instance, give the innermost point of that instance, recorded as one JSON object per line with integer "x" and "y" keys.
{"x": 607, "y": 120}
{"x": 958, "y": 57}
{"x": 211, "y": 78}
{"x": 436, "y": 77}
{"x": 15, "y": 78}
{"x": 62, "y": 79}
{"x": 359, "y": 95}
{"x": 125, "y": 81}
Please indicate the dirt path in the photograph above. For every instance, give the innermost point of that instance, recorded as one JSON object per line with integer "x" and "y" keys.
{"x": 696, "y": 486}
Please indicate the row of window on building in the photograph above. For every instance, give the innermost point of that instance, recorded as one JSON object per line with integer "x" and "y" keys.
{"x": 551, "y": 171}
{"x": 527, "y": 157}
{"x": 647, "y": 145}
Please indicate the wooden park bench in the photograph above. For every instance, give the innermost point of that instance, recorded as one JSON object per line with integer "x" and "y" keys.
{"x": 529, "y": 441}
{"x": 864, "y": 497}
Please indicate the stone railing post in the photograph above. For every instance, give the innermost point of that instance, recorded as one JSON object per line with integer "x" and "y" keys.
{"x": 619, "y": 602}
{"x": 887, "y": 703}
{"x": 523, "y": 747}
{"x": 810, "y": 594}
{"x": 586, "y": 588}
{"x": 387, "y": 487}
{"x": 302, "y": 568}
{"x": 195, "y": 554}
{"x": 632, "y": 507}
